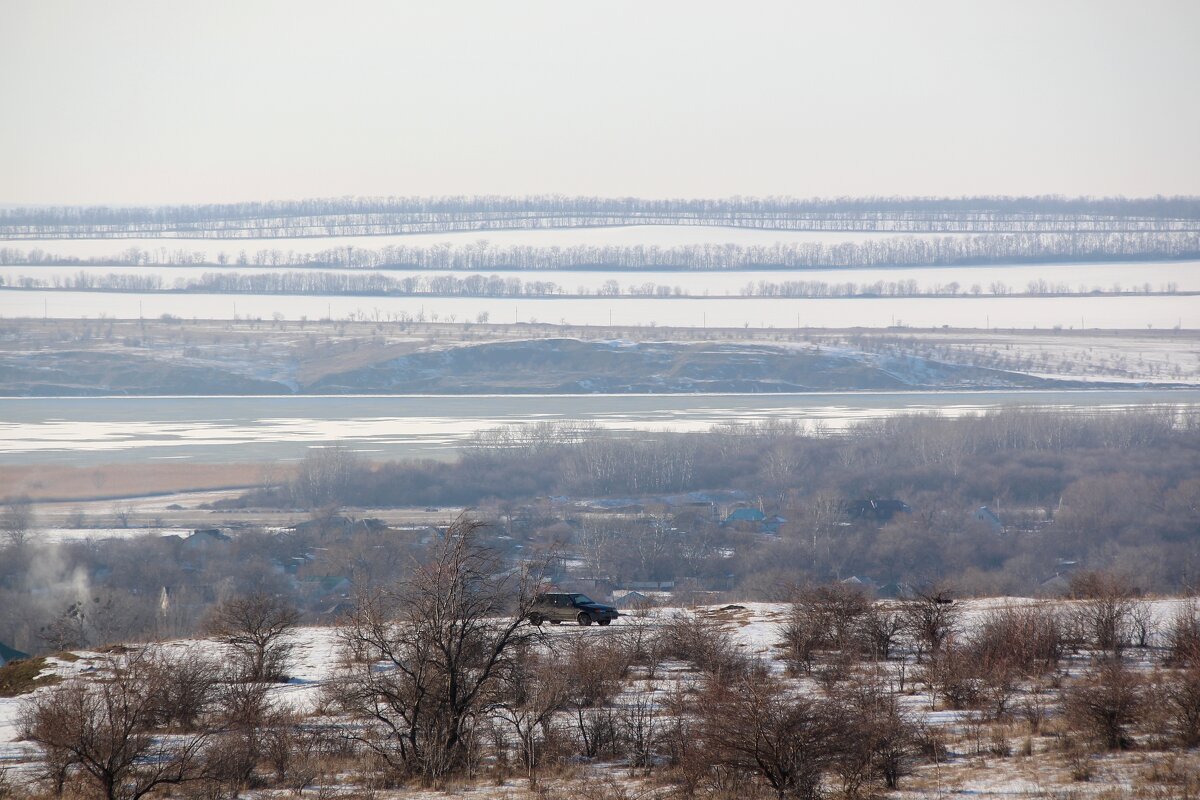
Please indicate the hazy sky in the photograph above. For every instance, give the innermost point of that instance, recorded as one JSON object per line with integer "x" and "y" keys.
{"x": 160, "y": 102}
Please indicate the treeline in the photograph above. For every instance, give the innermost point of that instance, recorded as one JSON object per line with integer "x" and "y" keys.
{"x": 1069, "y": 491}
{"x": 978, "y": 456}
{"x": 888, "y": 252}
{"x": 357, "y": 216}
{"x": 478, "y": 285}
{"x": 1068, "y": 487}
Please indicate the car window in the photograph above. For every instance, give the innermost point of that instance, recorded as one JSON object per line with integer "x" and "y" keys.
{"x": 581, "y": 598}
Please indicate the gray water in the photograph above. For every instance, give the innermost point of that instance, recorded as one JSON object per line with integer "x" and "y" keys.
{"x": 90, "y": 431}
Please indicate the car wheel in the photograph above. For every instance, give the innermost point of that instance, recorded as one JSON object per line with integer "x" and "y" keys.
{"x": 584, "y": 619}
{"x": 534, "y": 619}
{"x": 605, "y": 621}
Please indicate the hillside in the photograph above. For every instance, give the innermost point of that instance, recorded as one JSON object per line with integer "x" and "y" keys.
{"x": 162, "y": 358}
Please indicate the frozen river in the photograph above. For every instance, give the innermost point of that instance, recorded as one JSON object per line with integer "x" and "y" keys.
{"x": 89, "y": 431}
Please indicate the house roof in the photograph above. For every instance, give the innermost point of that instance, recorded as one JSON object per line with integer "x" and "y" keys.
{"x": 10, "y": 654}
{"x": 746, "y": 515}
{"x": 208, "y": 534}
{"x": 985, "y": 514}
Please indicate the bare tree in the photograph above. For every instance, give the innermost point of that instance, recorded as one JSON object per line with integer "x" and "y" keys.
{"x": 258, "y": 627}
{"x": 17, "y": 519}
{"x": 325, "y": 477}
{"x": 447, "y": 635}
{"x": 931, "y": 618}
{"x": 878, "y": 630}
{"x": 1103, "y": 609}
{"x": 103, "y": 726}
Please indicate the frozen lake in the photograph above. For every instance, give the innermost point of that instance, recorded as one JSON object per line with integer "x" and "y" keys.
{"x": 1164, "y": 311}
{"x": 89, "y": 431}
{"x": 1184, "y": 275}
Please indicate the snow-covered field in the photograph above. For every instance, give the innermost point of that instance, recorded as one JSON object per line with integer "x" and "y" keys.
{"x": 1074, "y": 312}
{"x": 60, "y": 535}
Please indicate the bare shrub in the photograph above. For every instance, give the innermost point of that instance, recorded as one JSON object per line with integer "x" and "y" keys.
{"x": 1176, "y": 777}
{"x": 1035, "y": 707}
{"x": 956, "y": 675}
{"x": 1182, "y": 700}
{"x": 823, "y": 618}
{"x": 535, "y": 688}
{"x": 689, "y": 637}
{"x": 1183, "y": 635}
{"x": 188, "y": 684}
{"x": 879, "y": 745}
{"x": 679, "y": 737}
{"x": 103, "y": 728}
{"x": 595, "y": 669}
{"x": 294, "y": 750}
{"x": 641, "y": 645}
{"x": 753, "y": 727}
{"x": 1143, "y": 623}
{"x": 244, "y": 713}
{"x": 1106, "y": 704}
{"x": 1103, "y": 609}
{"x": 639, "y": 726}
{"x": 1030, "y": 639}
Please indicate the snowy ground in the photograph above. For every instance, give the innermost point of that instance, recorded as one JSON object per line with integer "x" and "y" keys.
{"x": 755, "y": 629}
{"x": 985, "y": 311}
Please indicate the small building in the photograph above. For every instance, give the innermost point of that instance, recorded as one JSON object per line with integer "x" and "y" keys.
{"x": 988, "y": 517}
{"x": 632, "y": 601}
{"x": 866, "y": 584}
{"x": 340, "y": 525}
{"x": 877, "y": 510}
{"x": 206, "y": 537}
{"x": 8, "y": 654}
{"x": 744, "y": 515}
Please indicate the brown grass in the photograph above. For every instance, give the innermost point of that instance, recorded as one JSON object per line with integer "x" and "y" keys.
{"x": 21, "y": 677}
{"x": 46, "y": 482}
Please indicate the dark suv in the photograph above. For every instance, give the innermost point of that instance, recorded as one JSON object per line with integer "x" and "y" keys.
{"x": 559, "y": 607}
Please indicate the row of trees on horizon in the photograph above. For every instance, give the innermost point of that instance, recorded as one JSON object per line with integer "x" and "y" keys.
{"x": 769, "y": 211}
{"x": 900, "y": 251}
{"x": 482, "y": 285}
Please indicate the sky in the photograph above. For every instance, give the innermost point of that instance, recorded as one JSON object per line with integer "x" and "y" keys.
{"x": 123, "y": 102}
